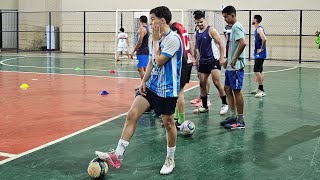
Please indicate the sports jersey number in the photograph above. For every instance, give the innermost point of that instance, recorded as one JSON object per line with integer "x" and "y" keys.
{"x": 186, "y": 41}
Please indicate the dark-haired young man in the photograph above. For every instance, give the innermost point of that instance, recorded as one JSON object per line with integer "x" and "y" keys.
{"x": 260, "y": 54}
{"x": 211, "y": 51}
{"x": 159, "y": 89}
{"x": 142, "y": 47}
{"x": 234, "y": 74}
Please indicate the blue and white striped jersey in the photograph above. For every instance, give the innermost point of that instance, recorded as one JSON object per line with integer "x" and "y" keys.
{"x": 165, "y": 80}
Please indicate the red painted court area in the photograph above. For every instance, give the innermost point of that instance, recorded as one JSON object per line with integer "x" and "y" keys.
{"x": 55, "y": 106}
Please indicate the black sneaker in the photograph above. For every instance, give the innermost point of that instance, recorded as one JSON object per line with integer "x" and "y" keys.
{"x": 228, "y": 120}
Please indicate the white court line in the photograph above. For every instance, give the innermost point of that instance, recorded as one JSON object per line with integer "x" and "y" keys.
{"x": 7, "y": 155}
{"x": 69, "y": 136}
{"x": 105, "y": 70}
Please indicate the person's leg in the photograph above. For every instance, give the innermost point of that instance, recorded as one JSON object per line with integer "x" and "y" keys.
{"x": 127, "y": 52}
{"x": 236, "y": 87}
{"x": 117, "y": 55}
{"x": 203, "y": 93}
{"x": 215, "y": 74}
{"x": 167, "y": 109}
{"x": 138, "y": 107}
{"x": 180, "y": 107}
{"x": 231, "y": 99}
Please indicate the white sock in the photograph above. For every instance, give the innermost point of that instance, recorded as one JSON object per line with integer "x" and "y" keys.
{"x": 121, "y": 148}
{"x": 170, "y": 152}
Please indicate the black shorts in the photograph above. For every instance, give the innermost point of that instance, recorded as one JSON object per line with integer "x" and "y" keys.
{"x": 185, "y": 74}
{"x": 258, "y": 65}
{"x": 208, "y": 67}
{"x": 161, "y": 106}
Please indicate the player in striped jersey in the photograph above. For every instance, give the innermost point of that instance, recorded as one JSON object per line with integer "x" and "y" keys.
{"x": 159, "y": 89}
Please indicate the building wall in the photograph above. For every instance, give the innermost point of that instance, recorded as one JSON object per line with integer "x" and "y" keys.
{"x": 101, "y": 26}
{"x": 9, "y": 4}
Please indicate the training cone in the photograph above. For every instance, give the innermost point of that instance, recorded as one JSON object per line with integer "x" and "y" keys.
{"x": 112, "y": 71}
{"x": 24, "y": 86}
{"x": 104, "y": 92}
{"x": 77, "y": 69}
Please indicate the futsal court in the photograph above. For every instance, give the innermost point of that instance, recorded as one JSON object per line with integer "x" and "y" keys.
{"x": 51, "y": 130}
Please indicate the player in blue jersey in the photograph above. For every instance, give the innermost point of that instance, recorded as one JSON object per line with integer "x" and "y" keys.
{"x": 142, "y": 48}
{"x": 260, "y": 54}
{"x": 211, "y": 51}
{"x": 159, "y": 89}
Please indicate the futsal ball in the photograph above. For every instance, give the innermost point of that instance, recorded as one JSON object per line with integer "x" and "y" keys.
{"x": 97, "y": 168}
{"x": 187, "y": 128}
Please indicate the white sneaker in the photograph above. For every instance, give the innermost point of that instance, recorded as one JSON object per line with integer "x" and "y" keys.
{"x": 224, "y": 109}
{"x": 200, "y": 109}
{"x": 260, "y": 94}
{"x": 255, "y": 91}
{"x": 168, "y": 166}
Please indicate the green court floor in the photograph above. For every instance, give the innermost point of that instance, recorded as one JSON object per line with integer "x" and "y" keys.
{"x": 281, "y": 139}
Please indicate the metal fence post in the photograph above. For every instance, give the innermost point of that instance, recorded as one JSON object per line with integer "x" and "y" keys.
{"x": 49, "y": 33}
{"x": 300, "y": 43}
{"x": 250, "y": 35}
{"x": 84, "y": 32}
{"x": 17, "y": 32}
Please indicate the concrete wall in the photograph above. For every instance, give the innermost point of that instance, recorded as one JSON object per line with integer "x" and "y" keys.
{"x": 9, "y": 4}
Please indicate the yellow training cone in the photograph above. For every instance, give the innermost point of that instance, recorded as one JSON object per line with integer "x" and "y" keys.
{"x": 24, "y": 86}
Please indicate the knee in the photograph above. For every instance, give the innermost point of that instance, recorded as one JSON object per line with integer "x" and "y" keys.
{"x": 216, "y": 82}
{"x": 132, "y": 116}
{"x": 168, "y": 123}
{"x": 203, "y": 84}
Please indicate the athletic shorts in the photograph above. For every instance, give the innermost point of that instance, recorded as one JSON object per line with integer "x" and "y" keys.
{"x": 161, "y": 106}
{"x": 121, "y": 49}
{"x": 185, "y": 74}
{"x": 258, "y": 65}
{"x": 208, "y": 67}
{"x": 142, "y": 61}
{"x": 234, "y": 79}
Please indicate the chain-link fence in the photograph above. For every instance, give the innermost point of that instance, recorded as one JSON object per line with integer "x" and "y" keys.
{"x": 290, "y": 33}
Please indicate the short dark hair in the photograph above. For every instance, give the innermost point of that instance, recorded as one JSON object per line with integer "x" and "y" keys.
{"x": 258, "y": 18}
{"x": 121, "y": 29}
{"x": 143, "y": 19}
{"x": 229, "y": 10}
{"x": 162, "y": 12}
{"x": 199, "y": 14}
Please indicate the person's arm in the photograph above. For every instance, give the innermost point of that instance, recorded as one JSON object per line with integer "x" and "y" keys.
{"x": 169, "y": 49}
{"x": 195, "y": 50}
{"x": 263, "y": 38}
{"x": 141, "y": 34}
{"x": 215, "y": 35}
{"x": 242, "y": 44}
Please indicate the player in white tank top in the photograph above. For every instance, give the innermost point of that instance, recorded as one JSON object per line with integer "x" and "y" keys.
{"x": 122, "y": 43}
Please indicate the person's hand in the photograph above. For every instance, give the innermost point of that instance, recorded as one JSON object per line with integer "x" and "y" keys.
{"x": 142, "y": 88}
{"x": 131, "y": 55}
{"x": 156, "y": 34}
{"x": 233, "y": 64}
{"x": 225, "y": 64}
{"x": 259, "y": 51}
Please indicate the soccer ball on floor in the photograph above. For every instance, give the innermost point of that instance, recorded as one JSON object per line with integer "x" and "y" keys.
{"x": 97, "y": 168}
{"x": 187, "y": 128}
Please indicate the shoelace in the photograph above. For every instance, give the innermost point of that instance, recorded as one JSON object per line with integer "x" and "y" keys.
{"x": 168, "y": 162}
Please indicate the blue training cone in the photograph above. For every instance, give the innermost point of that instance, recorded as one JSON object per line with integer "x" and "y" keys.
{"x": 104, "y": 92}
